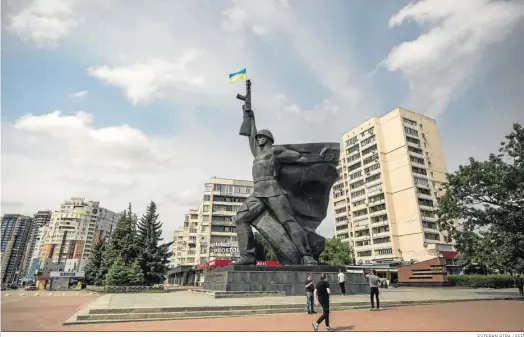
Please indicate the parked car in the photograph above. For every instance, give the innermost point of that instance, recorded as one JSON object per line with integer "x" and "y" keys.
{"x": 30, "y": 287}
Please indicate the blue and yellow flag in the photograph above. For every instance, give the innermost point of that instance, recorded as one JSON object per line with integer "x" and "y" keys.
{"x": 239, "y": 75}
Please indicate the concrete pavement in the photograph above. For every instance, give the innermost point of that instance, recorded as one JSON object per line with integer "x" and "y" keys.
{"x": 184, "y": 305}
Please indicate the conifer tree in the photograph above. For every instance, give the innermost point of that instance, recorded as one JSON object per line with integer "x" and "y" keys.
{"x": 93, "y": 267}
{"x": 154, "y": 256}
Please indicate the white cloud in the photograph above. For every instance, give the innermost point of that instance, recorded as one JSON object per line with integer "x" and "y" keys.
{"x": 50, "y": 157}
{"x": 316, "y": 114}
{"x": 142, "y": 82}
{"x": 44, "y": 22}
{"x": 80, "y": 94}
{"x": 442, "y": 63}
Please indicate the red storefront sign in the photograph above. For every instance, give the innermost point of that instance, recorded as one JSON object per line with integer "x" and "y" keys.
{"x": 222, "y": 263}
{"x": 268, "y": 263}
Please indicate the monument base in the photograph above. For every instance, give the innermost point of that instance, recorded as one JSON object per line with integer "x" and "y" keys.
{"x": 287, "y": 279}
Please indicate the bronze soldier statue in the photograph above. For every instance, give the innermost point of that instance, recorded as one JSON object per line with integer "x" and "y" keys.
{"x": 268, "y": 195}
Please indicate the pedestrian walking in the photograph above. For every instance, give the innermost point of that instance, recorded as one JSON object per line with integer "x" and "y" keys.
{"x": 342, "y": 282}
{"x": 374, "y": 282}
{"x": 519, "y": 283}
{"x": 310, "y": 300}
{"x": 322, "y": 293}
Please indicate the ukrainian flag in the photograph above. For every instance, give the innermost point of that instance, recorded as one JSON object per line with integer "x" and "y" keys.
{"x": 239, "y": 75}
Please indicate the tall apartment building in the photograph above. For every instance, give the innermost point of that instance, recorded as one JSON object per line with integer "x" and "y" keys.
{"x": 15, "y": 233}
{"x": 391, "y": 169}
{"x": 210, "y": 231}
{"x": 73, "y": 230}
{"x": 184, "y": 240}
{"x": 41, "y": 221}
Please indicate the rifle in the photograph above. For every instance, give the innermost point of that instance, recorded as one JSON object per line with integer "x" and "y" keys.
{"x": 245, "y": 128}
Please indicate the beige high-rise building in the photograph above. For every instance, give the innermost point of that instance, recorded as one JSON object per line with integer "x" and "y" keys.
{"x": 73, "y": 230}
{"x": 185, "y": 240}
{"x": 391, "y": 169}
{"x": 209, "y": 233}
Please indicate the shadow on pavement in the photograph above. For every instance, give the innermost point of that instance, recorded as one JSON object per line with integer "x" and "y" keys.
{"x": 344, "y": 328}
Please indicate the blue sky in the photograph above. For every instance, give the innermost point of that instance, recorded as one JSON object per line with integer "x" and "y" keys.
{"x": 123, "y": 101}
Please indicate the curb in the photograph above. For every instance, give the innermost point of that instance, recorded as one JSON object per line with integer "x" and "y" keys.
{"x": 242, "y": 312}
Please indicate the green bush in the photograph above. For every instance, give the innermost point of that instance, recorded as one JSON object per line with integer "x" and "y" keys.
{"x": 482, "y": 281}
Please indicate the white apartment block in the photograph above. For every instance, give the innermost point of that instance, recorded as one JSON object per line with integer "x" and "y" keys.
{"x": 73, "y": 231}
{"x": 209, "y": 232}
{"x": 391, "y": 169}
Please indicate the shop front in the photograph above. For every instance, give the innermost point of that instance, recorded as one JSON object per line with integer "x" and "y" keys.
{"x": 182, "y": 275}
{"x": 66, "y": 280}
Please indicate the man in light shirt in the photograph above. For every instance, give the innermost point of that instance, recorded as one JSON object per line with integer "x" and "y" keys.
{"x": 374, "y": 282}
{"x": 342, "y": 282}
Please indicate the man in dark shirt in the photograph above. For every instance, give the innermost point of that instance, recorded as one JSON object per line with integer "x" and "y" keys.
{"x": 310, "y": 287}
{"x": 519, "y": 283}
{"x": 322, "y": 293}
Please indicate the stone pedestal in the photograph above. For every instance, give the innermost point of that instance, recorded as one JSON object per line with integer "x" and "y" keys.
{"x": 288, "y": 279}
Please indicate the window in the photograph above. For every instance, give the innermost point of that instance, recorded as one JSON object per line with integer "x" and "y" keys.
{"x": 387, "y": 251}
{"x": 364, "y": 253}
{"x": 416, "y": 159}
{"x": 360, "y": 202}
{"x": 413, "y": 140}
{"x": 372, "y": 168}
{"x": 368, "y": 140}
{"x": 373, "y": 178}
{"x": 377, "y": 208}
{"x": 360, "y": 213}
{"x": 351, "y": 141}
{"x": 375, "y": 198}
{"x": 355, "y": 175}
{"x": 415, "y": 150}
{"x": 432, "y": 175}
{"x": 363, "y": 243}
{"x": 421, "y": 181}
{"x": 383, "y": 229}
{"x": 427, "y": 214}
{"x": 354, "y": 166}
{"x": 357, "y": 184}
{"x": 419, "y": 170}
{"x": 205, "y": 208}
{"x": 410, "y": 122}
{"x": 424, "y": 191}
{"x": 410, "y": 131}
{"x": 357, "y": 193}
{"x": 353, "y": 157}
{"x": 432, "y": 236}
{"x": 425, "y": 202}
{"x": 375, "y": 188}
{"x": 352, "y": 149}
{"x": 387, "y": 239}
{"x": 369, "y": 150}
{"x": 429, "y": 225}
{"x": 371, "y": 159}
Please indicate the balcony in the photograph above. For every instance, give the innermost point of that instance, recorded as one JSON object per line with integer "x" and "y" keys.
{"x": 359, "y": 207}
{"x": 385, "y": 245}
{"x": 360, "y": 217}
{"x": 362, "y": 238}
{"x": 362, "y": 248}
{"x": 379, "y": 224}
{"x": 376, "y": 203}
{"x": 381, "y": 235}
{"x": 379, "y": 213}
{"x": 223, "y": 233}
{"x": 426, "y": 208}
{"x": 419, "y": 165}
{"x": 431, "y": 230}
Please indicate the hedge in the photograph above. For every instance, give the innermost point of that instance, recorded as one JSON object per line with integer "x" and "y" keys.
{"x": 482, "y": 281}
{"x": 126, "y": 289}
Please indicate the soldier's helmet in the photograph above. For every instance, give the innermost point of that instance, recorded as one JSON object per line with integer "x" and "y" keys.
{"x": 266, "y": 133}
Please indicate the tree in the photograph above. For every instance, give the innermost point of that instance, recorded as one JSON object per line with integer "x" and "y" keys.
{"x": 135, "y": 274}
{"x": 121, "y": 246}
{"x": 483, "y": 207}
{"x": 336, "y": 253}
{"x": 153, "y": 256}
{"x": 263, "y": 250}
{"x": 93, "y": 267}
{"x": 118, "y": 273}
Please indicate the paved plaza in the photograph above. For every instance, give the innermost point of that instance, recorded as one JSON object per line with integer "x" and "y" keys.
{"x": 47, "y": 313}
{"x": 188, "y": 299}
